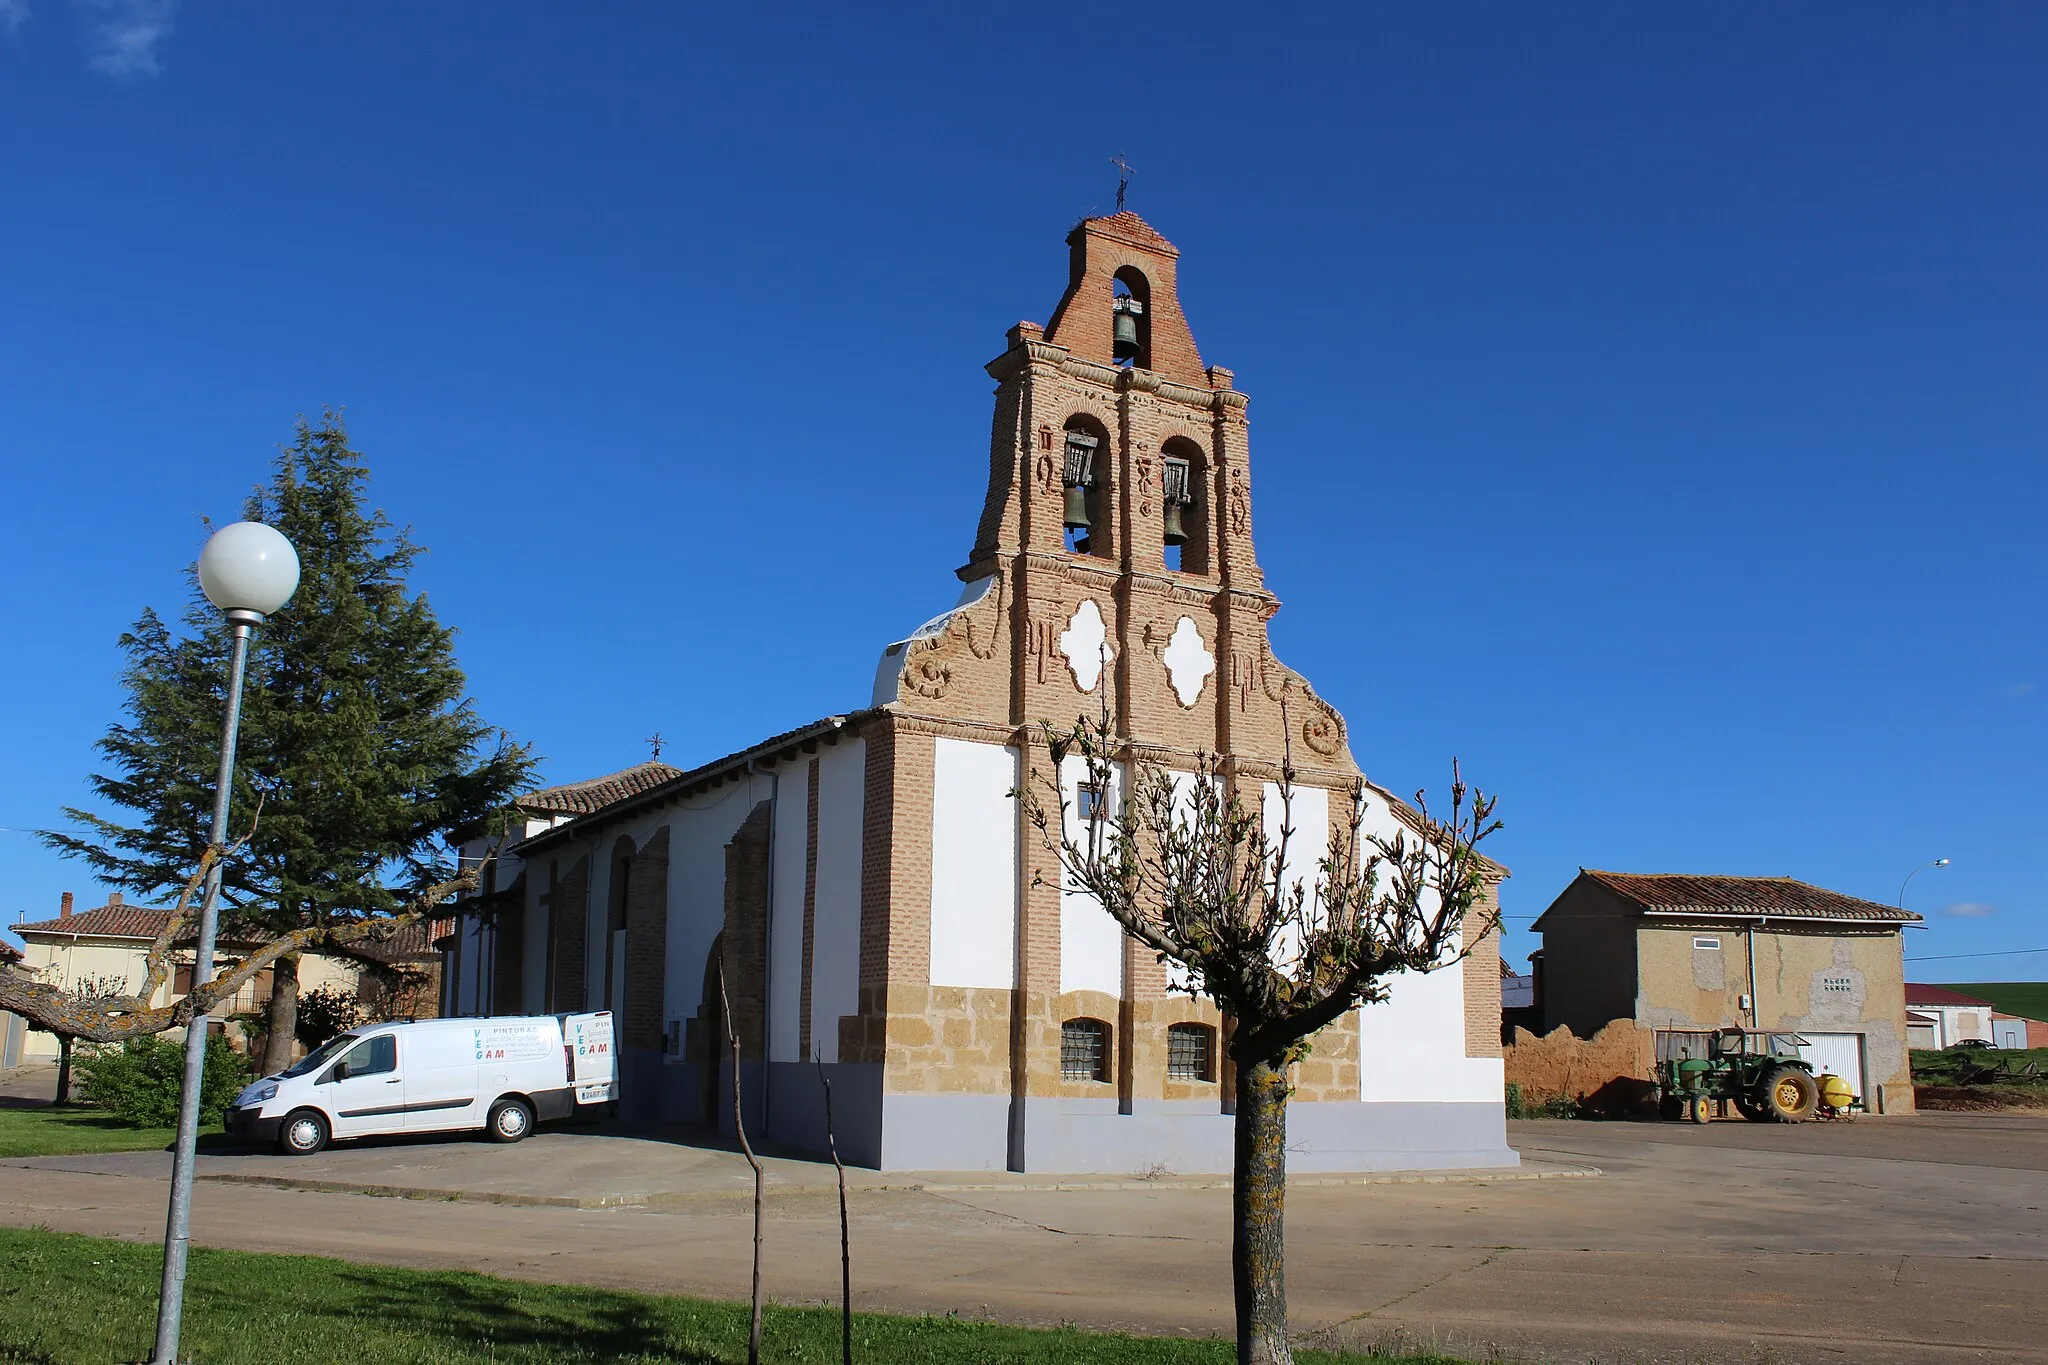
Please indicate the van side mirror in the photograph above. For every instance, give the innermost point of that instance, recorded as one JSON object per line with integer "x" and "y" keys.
{"x": 337, "y": 1072}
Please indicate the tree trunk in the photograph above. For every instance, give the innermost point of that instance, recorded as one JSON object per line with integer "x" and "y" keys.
{"x": 281, "y": 1017}
{"x": 64, "y": 1041}
{"x": 1258, "y": 1198}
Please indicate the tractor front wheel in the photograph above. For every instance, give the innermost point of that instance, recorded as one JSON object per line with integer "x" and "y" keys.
{"x": 1700, "y": 1109}
{"x": 1790, "y": 1095}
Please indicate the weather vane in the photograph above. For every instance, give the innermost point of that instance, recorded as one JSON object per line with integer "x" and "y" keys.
{"x": 657, "y": 741}
{"x": 1123, "y": 181}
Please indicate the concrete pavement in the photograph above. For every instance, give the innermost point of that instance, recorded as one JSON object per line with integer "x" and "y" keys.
{"x": 1885, "y": 1241}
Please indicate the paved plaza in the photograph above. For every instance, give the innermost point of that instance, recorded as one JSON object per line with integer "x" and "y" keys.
{"x": 1894, "y": 1240}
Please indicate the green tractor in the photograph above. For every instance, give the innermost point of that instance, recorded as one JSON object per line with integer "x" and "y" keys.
{"x": 1761, "y": 1074}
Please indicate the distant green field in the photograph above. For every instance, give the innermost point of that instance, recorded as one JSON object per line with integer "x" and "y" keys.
{"x": 2027, "y": 999}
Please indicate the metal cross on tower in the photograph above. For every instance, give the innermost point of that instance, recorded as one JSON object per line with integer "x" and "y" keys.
{"x": 1123, "y": 181}
{"x": 657, "y": 741}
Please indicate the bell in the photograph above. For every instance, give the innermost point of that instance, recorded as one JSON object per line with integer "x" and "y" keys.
{"x": 1077, "y": 509}
{"x": 1125, "y": 346}
{"x": 1175, "y": 535}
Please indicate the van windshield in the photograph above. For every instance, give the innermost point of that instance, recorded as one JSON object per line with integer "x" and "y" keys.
{"x": 321, "y": 1055}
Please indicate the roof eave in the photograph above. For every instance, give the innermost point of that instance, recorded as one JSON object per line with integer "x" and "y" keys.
{"x": 1895, "y": 919}
{"x": 678, "y": 786}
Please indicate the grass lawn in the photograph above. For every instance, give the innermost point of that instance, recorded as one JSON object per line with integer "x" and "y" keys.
{"x": 58, "y": 1132}
{"x": 92, "y": 1301}
{"x": 2027, "y": 999}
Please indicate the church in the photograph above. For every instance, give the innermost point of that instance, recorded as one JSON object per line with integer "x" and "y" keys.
{"x": 862, "y": 897}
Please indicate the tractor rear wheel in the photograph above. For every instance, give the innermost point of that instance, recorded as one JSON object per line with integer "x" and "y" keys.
{"x": 1790, "y": 1095}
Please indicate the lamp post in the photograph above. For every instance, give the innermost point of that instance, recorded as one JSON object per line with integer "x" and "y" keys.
{"x": 248, "y": 570}
{"x": 1938, "y": 862}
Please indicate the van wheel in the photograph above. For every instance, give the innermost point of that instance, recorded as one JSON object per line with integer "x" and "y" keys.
{"x": 305, "y": 1132}
{"x": 510, "y": 1120}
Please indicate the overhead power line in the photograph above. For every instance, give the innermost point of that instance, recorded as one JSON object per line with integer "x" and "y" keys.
{"x": 1951, "y": 957}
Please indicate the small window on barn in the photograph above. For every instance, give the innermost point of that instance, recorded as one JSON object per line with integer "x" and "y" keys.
{"x": 1706, "y": 943}
{"x": 1084, "y": 1050}
{"x": 1189, "y": 1052}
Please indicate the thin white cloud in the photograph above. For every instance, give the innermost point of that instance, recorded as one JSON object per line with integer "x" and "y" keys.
{"x": 125, "y": 34}
{"x": 1970, "y": 910}
{"x": 13, "y": 14}
{"x": 2018, "y": 689}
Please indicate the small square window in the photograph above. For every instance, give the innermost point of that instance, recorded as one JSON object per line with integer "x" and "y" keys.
{"x": 1088, "y": 802}
{"x": 1706, "y": 943}
{"x": 1084, "y": 1050}
{"x": 1188, "y": 1056}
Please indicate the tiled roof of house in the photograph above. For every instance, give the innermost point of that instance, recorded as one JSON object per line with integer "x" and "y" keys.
{"x": 412, "y": 942}
{"x": 594, "y": 794}
{"x": 1682, "y": 893}
{"x": 1936, "y": 995}
{"x": 115, "y": 919}
{"x": 9, "y": 953}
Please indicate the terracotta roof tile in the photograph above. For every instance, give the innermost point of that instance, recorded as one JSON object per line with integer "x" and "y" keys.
{"x": 1937, "y": 995}
{"x": 114, "y": 920}
{"x": 594, "y": 794}
{"x": 1682, "y": 893}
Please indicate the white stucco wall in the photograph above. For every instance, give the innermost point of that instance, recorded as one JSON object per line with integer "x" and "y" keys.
{"x": 974, "y": 865}
{"x": 698, "y": 832}
{"x": 1091, "y": 943}
{"x": 1412, "y": 1044}
{"x": 835, "y": 928}
{"x": 1308, "y": 816}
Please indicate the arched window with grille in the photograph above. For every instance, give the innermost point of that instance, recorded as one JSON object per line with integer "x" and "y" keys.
{"x": 1084, "y": 1050}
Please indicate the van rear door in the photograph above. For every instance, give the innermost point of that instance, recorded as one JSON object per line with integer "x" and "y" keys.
{"x": 593, "y": 1060}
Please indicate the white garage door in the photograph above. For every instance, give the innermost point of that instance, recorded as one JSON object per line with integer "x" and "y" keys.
{"x": 1838, "y": 1054}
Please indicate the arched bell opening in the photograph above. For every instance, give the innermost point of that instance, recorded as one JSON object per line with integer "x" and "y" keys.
{"x": 1184, "y": 505}
{"x": 1088, "y": 507}
{"x": 1130, "y": 309}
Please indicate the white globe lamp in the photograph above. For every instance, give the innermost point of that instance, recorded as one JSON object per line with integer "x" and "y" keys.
{"x": 248, "y": 570}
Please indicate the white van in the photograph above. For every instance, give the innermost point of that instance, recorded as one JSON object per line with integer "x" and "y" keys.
{"x": 500, "y": 1075}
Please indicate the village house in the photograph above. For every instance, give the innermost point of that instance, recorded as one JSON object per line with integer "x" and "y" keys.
{"x": 863, "y": 893}
{"x": 104, "y": 950}
{"x": 1677, "y": 956}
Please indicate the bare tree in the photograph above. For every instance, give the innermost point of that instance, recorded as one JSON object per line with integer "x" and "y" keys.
{"x": 739, "y": 1125}
{"x": 845, "y": 1240}
{"x": 1190, "y": 869}
{"x": 114, "y": 1017}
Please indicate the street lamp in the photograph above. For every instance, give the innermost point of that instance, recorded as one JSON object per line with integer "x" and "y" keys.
{"x": 1938, "y": 862}
{"x": 248, "y": 570}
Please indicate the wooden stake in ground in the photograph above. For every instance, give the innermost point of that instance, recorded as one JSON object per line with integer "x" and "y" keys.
{"x": 845, "y": 1244}
{"x": 739, "y": 1126}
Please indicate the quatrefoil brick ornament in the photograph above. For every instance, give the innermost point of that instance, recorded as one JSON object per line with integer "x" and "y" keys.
{"x": 1188, "y": 661}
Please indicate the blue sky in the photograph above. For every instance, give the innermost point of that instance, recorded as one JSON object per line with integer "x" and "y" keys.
{"x": 1648, "y": 402}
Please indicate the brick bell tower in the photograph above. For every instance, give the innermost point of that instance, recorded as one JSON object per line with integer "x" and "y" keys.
{"x": 1114, "y": 562}
{"x": 1113, "y": 570}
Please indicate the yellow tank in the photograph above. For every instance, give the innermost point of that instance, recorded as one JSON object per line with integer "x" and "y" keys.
{"x": 1835, "y": 1092}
